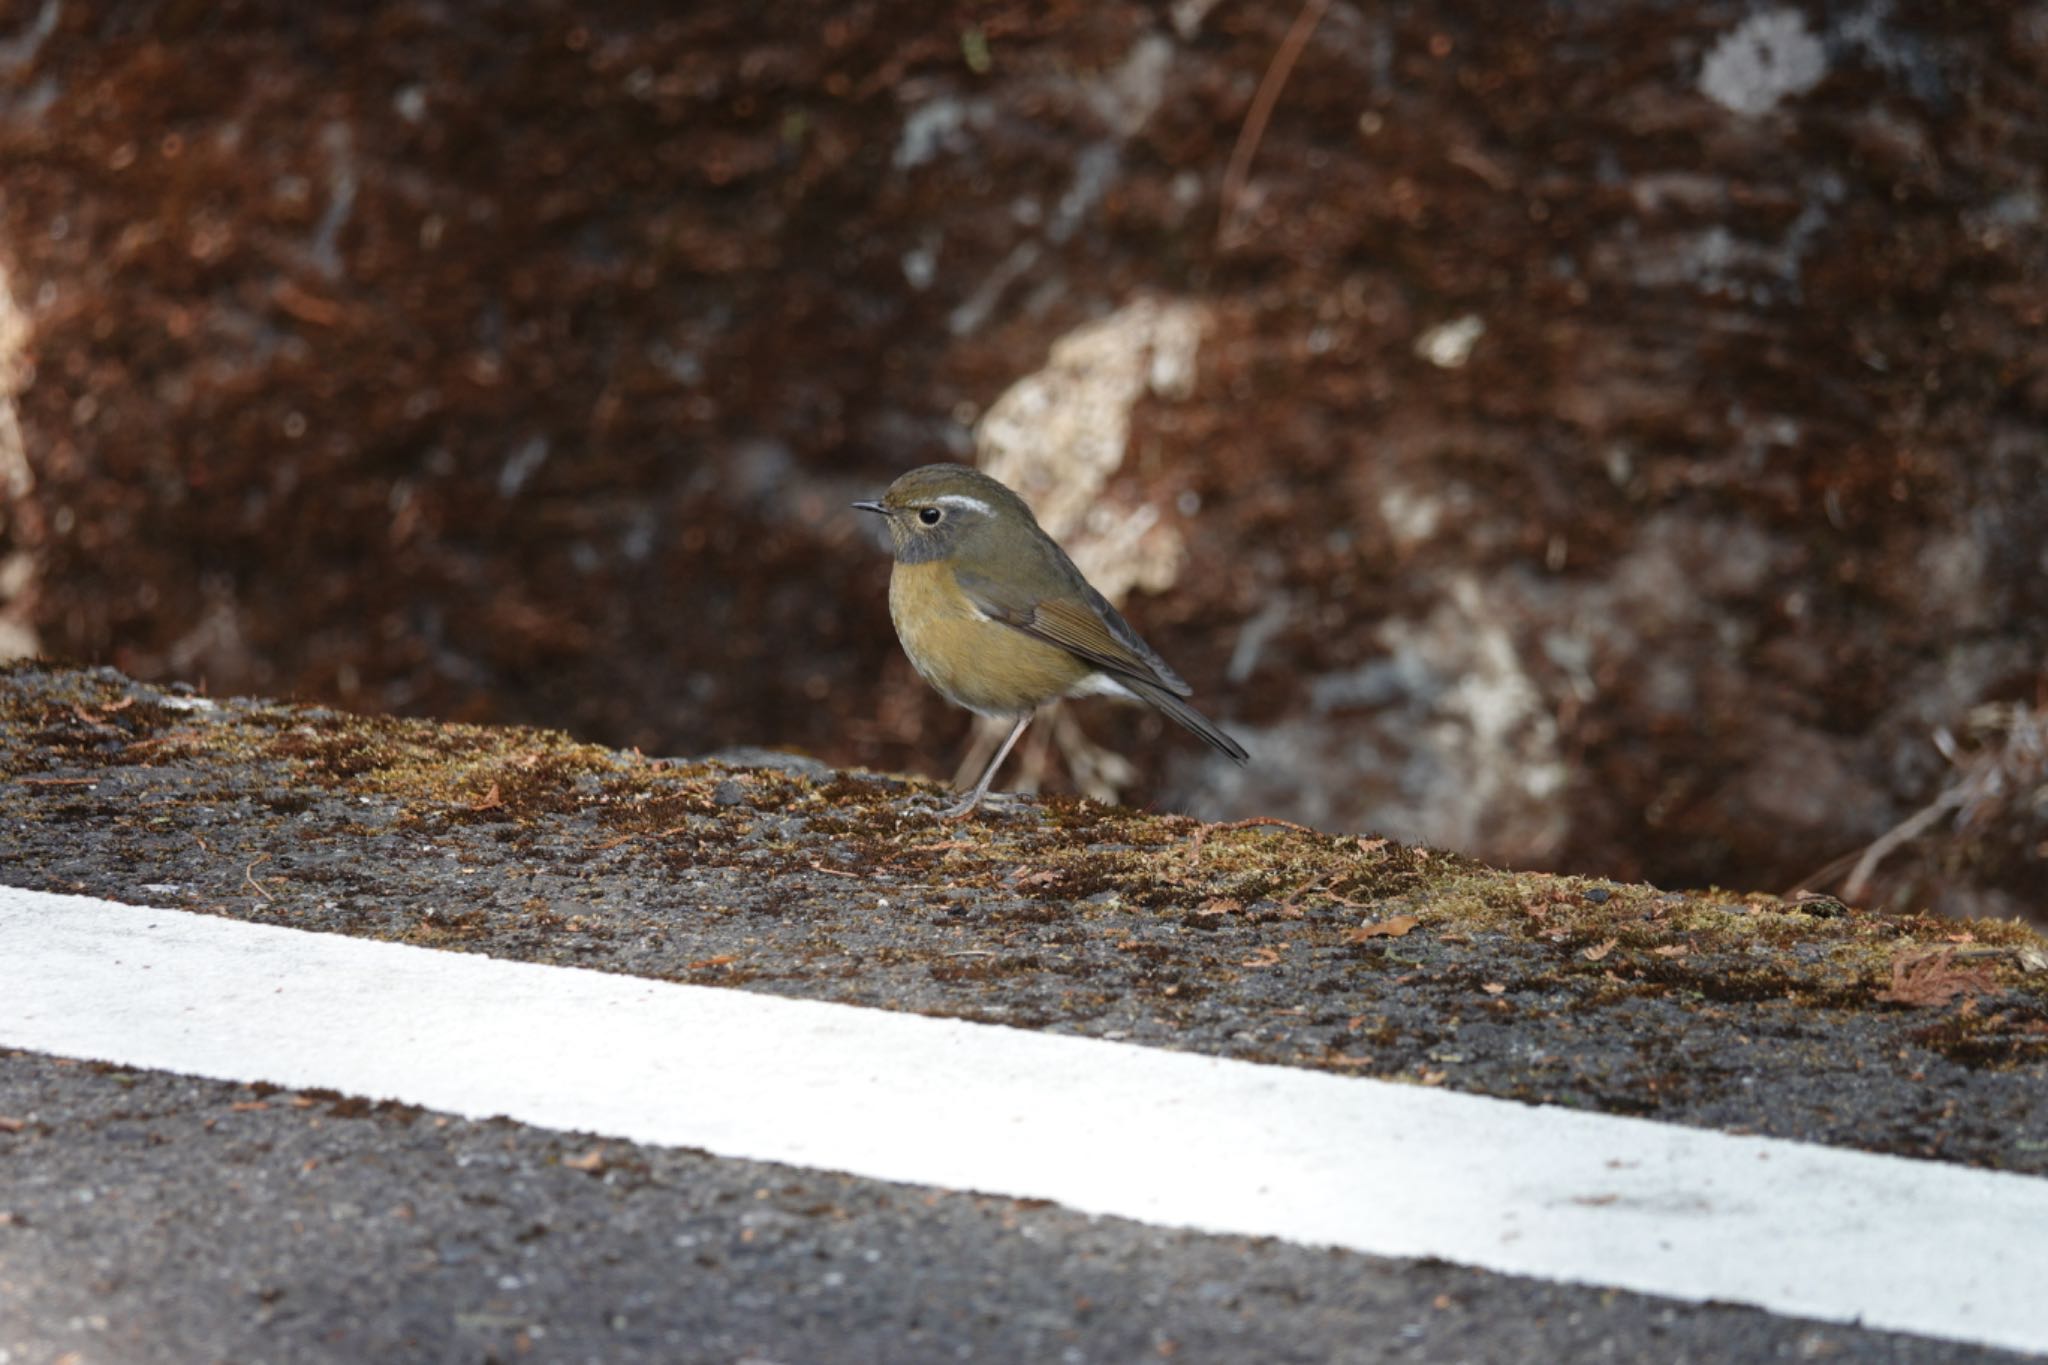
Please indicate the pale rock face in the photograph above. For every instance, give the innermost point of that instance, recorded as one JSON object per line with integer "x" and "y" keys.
{"x": 1769, "y": 58}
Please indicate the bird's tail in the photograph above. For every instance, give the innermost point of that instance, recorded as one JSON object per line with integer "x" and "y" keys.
{"x": 1165, "y": 702}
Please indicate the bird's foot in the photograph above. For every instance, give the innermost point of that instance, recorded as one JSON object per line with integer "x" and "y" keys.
{"x": 992, "y": 802}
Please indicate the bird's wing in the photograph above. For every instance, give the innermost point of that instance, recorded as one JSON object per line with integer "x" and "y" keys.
{"x": 1088, "y": 628}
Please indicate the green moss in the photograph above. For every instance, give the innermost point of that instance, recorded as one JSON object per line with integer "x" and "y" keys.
{"x": 1989, "y": 1040}
{"x": 465, "y": 772}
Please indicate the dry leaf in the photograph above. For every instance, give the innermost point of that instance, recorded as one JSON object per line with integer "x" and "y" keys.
{"x": 1043, "y": 877}
{"x": 1222, "y": 905}
{"x": 1264, "y": 957}
{"x": 1495, "y": 988}
{"x": 591, "y": 1161}
{"x": 8, "y": 1125}
{"x": 1932, "y": 979}
{"x": 1396, "y": 927}
{"x": 1594, "y": 954}
{"x": 722, "y": 960}
{"x": 1671, "y": 950}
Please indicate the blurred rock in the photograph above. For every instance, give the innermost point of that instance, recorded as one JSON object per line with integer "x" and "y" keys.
{"x": 518, "y": 363}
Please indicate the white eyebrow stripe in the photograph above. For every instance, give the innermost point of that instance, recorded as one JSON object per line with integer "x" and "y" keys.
{"x": 961, "y": 500}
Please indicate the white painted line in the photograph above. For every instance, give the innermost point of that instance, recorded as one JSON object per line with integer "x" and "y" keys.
{"x": 1167, "y": 1138}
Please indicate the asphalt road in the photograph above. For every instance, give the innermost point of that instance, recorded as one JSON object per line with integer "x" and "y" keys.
{"x": 150, "y": 1217}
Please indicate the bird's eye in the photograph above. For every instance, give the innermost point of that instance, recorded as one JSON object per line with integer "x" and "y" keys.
{"x": 930, "y": 516}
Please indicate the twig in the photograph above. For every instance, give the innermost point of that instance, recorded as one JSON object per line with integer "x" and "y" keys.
{"x": 1822, "y": 875}
{"x": 833, "y": 871}
{"x": 248, "y": 875}
{"x": 1985, "y": 783}
{"x": 1287, "y": 905}
{"x": 171, "y": 737}
{"x": 1254, "y": 129}
{"x": 1903, "y": 832}
{"x": 640, "y": 834}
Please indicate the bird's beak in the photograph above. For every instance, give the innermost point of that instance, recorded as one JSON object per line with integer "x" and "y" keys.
{"x": 872, "y": 507}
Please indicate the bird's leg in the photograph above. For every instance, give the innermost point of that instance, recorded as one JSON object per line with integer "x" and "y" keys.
{"x": 1030, "y": 754}
{"x": 973, "y": 798}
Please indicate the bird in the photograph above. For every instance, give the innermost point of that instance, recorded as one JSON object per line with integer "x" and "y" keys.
{"x": 994, "y": 615}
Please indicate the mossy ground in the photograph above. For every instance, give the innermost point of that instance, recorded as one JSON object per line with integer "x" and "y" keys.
{"x": 1255, "y": 939}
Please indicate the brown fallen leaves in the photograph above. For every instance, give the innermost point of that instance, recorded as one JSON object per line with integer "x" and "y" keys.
{"x": 1396, "y": 927}
{"x": 591, "y": 1162}
{"x": 1932, "y": 979}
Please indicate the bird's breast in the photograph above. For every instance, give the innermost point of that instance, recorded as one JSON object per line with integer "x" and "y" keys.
{"x": 973, "y": 660}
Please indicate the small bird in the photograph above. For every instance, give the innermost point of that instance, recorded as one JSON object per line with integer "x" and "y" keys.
{"x": 995, "y": 616}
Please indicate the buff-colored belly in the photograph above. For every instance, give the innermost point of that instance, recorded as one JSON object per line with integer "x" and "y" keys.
{"x": 977, "y": 663}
